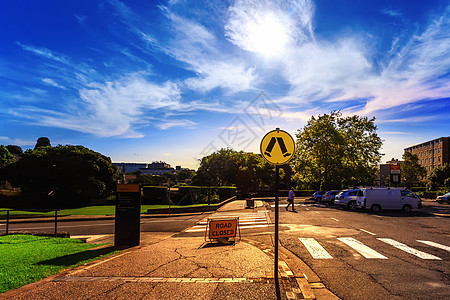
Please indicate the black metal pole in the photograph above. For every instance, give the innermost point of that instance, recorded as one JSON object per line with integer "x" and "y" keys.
{"x": 56, "y": 223}
{"x": 277, "y": 284}
{"x": 7, "y": 221}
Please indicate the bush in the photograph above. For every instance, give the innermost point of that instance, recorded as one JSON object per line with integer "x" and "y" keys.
{"x": 418, "y": 189}
{"x": 154, "y": 195}
{"x": 226, "y": 192}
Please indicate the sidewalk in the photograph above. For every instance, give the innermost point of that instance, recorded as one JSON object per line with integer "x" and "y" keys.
{"x": 169, "y": 266}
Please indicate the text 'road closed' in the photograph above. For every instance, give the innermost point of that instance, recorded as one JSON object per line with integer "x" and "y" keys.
{"x": 222, "y": 228}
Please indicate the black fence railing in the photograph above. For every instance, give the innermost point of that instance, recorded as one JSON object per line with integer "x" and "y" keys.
{"x": 8, "y": 217}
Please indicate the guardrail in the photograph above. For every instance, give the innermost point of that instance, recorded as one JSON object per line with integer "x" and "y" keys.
{"x": 36, "y": 210}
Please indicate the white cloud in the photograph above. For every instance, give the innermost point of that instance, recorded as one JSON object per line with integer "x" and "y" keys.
{"x": 177, "y": 123}
{"x": 233, "y": 77}
{"x": 392, "y": 12}
{"x": 52, "y": 82}
{"x": 46, "y": 53}
{"x": 111, "y": 108}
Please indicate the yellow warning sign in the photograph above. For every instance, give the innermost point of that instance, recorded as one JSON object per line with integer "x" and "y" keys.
{"x": 277, "y": 147}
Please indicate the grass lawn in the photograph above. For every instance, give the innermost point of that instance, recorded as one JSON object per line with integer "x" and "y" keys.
{"x": 89, "y": 210}
{"x": 25, "y": 258}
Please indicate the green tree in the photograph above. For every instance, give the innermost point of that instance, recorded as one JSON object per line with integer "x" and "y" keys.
{"x": 246, "y": 171}
{"x": 63, "y": 175}
{"x": 410, "y": 169}
{"x": 6, "y": 157}
{"x": 185, "y": 174}
{"x": 42, "y": 142}
{"x": 439, "y": 174}
{"x": 334, "y": 152}
{"x": 14, "y": 149}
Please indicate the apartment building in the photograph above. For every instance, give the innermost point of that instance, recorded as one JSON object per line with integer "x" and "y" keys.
{"x": 432, "y": 153}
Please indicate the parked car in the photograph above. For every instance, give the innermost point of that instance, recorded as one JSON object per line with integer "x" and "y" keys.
{"x": 329, "y": 196}
{"x": 377, "y": 199}
{"x": 317, "y": 195}
{"x": 443, "y": 198}
{"x": 347, "y": 198}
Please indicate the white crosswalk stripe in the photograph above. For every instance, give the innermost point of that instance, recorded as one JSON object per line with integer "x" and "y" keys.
{"x": 318, "y": 252}
{"x": 436, "y": 245}
{"x": 246, "y": 220}
{"x": 315, "y": 249}
{"x": 361, "y": 248}
{"x": 408, "y": 249}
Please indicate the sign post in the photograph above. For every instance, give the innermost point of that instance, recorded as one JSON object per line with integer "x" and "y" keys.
{"x": 277, "y": 147}
{"x": 395, "y": 174}
{"x": 128, "y": 215}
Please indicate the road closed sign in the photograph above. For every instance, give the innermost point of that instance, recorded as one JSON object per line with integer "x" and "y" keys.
{"x": 222, "y": 228}
{"x": 277, "y": 147}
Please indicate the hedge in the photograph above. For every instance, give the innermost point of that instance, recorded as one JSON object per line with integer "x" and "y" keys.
{"x": 203, "y": 194}
{"x": 154, "y": 194}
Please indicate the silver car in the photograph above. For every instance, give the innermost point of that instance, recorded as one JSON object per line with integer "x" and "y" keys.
{"x": 443, "y": 198}
{"x": 347, "y": 198}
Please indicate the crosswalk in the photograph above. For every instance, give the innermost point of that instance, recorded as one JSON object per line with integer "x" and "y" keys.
{"x": 317, "y": 251}
{"x": 247, "y": 220}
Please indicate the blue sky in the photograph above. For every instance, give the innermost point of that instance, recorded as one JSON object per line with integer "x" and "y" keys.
{"x": 141, "y": 81}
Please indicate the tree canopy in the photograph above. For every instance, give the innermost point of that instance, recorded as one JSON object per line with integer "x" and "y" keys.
{"x": 42, "y": 142}
{"x": 67, "y": 175}
{"x": 6, "y": 157}
{"x": 439, "y": 175}
{"x": 246, "y": 171}
{"x": 14, "y": 149}
{"x": 411, "y": 170}
{"x": 335, "y": 152}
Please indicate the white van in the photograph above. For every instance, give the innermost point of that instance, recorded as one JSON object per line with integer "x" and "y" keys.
{"x": 377, "y": 199}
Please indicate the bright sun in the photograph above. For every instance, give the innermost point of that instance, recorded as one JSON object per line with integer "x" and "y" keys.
{"x": 267, "y": 35}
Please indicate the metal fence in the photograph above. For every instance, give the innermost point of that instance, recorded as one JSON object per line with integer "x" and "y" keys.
{"x": 8, "y": 217}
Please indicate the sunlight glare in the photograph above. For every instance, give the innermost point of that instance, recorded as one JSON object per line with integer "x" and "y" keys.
{"x": 267, "y": 35}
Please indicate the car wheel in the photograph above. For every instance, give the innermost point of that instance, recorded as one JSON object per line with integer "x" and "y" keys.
{"x": 440, "y": 202}
{"x": 351, "y": 205}
{"x": 376, "y": 208}
{"x": 448, "y": 201}
{"x": 407, "y": 208}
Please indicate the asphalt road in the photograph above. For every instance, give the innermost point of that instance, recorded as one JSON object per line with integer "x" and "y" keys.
{"x": 103, "y": 227}
{"x": 361, "y": 255}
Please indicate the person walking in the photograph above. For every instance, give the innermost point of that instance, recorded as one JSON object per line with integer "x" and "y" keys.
{"x": 291, "y": 197}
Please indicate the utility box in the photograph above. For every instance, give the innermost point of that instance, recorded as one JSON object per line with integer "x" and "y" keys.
{"x": 128, "y": 215}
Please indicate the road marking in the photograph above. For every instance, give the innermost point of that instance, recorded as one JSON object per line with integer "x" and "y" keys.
{"x": 408, "y": 249}
{"x": 361, "y": 248}
{"x": 307, "y": 208}
{"x": 335, "y": 219}
{"x": 315, "y": 249}
{"x": 436, "y": 245}
{"x": 371, "y": 233}
{"x": 317, "y": 212}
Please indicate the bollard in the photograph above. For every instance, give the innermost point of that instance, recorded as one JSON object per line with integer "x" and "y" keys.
{"x": 7, "y": 221}
{"x": 56, "y": 223}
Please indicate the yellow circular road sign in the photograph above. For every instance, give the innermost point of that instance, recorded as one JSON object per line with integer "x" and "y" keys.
{"x": 277, "y": 147}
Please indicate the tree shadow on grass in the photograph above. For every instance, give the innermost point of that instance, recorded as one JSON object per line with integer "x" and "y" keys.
{"x": 73, "y": 259}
